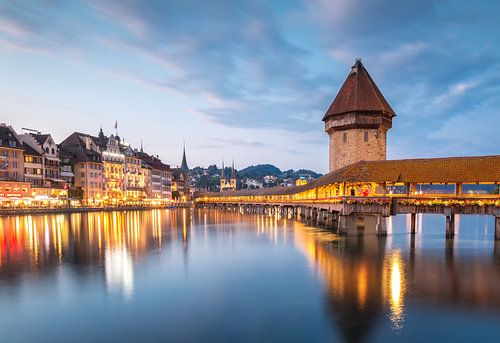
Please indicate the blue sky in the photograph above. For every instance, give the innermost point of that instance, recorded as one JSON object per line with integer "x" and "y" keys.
{"x": 251, "y": 80}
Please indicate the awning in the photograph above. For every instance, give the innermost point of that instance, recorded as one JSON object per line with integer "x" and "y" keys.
{"x": 68, "y": 174}
{"x": 53, "y": 158}
{"x": 57, "y": 180}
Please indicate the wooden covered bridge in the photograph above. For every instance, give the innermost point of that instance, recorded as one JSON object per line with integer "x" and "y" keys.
{"x": 448, "y": 186}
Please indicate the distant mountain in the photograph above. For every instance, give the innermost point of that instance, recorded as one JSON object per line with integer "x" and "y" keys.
{"x": 259, "y": 171}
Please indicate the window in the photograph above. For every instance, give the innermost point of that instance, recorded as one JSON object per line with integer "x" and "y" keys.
{"x": 5, "y": 153}
{"x": 53, "y": 151}
{"x": 345, "y": 137}
{"x": 366, "y": 136}
{"x": 14, "y": 153}
{"x": 14, "y": 165}
{"x": 82, "y": 174}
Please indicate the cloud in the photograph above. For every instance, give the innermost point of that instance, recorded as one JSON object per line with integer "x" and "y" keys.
{"x": 278, "y": 65}
{"x": 239, "y": 142}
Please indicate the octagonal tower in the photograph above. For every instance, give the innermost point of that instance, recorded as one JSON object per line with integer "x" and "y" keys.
{"x": 357, "y": 121}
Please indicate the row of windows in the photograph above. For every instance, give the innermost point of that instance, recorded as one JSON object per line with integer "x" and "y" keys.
{"x": 7, "y": 175}
{"x": 5, "y": 153}
{"x": 95, "y": 166}
{"x": 32, "y": 159}
{"x": 33, "y": 171}
{"x": 365, "y": 137}
{"x": 91, "y": 174}
{"x": 91, "y": 184}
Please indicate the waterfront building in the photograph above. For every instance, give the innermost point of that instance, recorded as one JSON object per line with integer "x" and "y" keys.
{"x": 11, "y": 155}
{"x": 33, "y": 165}
{"x": 357, "y": 121}
{"x": 161, "y": 176}
{"x": 66, "y": 169}
{"x": 114, "y": 167}
{"x": 85, "y": 155}
{"x": 135, "y": 183}
{"x": 44, "y": 145}
{"x": 51, "y": 162}
{"x": 228, "y": 183}
{"x": 181, "y": 183}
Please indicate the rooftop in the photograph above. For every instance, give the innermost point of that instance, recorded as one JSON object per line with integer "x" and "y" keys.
{"x": 359, "y": 93}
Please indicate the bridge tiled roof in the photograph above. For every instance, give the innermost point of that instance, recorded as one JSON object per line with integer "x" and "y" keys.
{"x": 426, "y": 170}
{"x": 359, "y": 93}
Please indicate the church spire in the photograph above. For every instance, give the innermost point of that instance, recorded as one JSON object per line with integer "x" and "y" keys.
{"x": 184, "y": 165}
{"x": 233, "y": 172}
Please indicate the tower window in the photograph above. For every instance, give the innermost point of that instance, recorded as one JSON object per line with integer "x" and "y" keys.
{"x": 345, "y": 137}
{"x": 366, "y": 136}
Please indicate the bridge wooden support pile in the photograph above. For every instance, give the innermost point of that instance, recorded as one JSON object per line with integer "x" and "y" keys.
{"x": 347, "y": 216}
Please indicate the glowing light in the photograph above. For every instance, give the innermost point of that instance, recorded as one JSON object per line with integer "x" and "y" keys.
{"x": 396, "y": 289}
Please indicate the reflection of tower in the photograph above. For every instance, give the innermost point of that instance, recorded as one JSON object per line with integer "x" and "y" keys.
{"x": 352, "y": 271}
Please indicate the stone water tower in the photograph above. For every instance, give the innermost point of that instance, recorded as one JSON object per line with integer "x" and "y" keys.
{"x": 357, "y": 121}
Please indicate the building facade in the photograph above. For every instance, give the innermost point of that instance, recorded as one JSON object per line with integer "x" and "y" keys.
{"x": 87, "y": 165}
{"x": 114, "y": 167}
{"x": 135, "y": 179}
{"x": 33, "y": 165}
{"x": 11, "y": 155}
{"x": 160, "y": 185}
{"x": 357, "y": 121}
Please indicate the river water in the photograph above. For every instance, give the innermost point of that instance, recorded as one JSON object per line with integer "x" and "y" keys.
{"x": 213, "y": 276}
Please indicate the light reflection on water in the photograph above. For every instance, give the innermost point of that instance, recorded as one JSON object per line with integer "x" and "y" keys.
{"x": 162, "y": 267}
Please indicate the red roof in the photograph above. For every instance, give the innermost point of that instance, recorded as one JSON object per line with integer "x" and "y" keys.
{"x": 359, "y": 93}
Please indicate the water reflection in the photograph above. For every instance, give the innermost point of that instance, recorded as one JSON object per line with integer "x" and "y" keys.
{"x": 395, "y": 287}
{"x": 366, "y": 280}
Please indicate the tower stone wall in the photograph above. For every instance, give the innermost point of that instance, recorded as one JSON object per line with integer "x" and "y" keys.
{"x": 349, "y": 146}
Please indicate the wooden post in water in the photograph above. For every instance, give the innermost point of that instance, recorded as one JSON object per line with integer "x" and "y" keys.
{"x": 342, "y": 225}
{"x": 450, "y": 226}
{"x": 381, "y": 226}
{"x": 413, "y": 223}
{"x": 497, "y": 228}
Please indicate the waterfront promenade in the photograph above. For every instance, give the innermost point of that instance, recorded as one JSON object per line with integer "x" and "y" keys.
{"x": 83, "y": 209}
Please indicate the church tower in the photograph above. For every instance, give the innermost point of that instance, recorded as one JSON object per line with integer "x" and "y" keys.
{"x": 358, "y": 120}
{"x": 222, "y": 178}
{"x": 232, "y": 181}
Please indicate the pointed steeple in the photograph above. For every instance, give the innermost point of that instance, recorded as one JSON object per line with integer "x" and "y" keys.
{"x": 222, "y": 176}
{"x": 184, "y": 166}
{"x": 142, "y": 149}
{"x": 359, "y": 93}
{"x": 233, "y": 172}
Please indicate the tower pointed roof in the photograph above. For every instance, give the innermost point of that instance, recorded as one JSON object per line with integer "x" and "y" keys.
{"x": 233, "y": 172}
{"x": 359, "y": 93}
{"x": 184, "y": 165}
